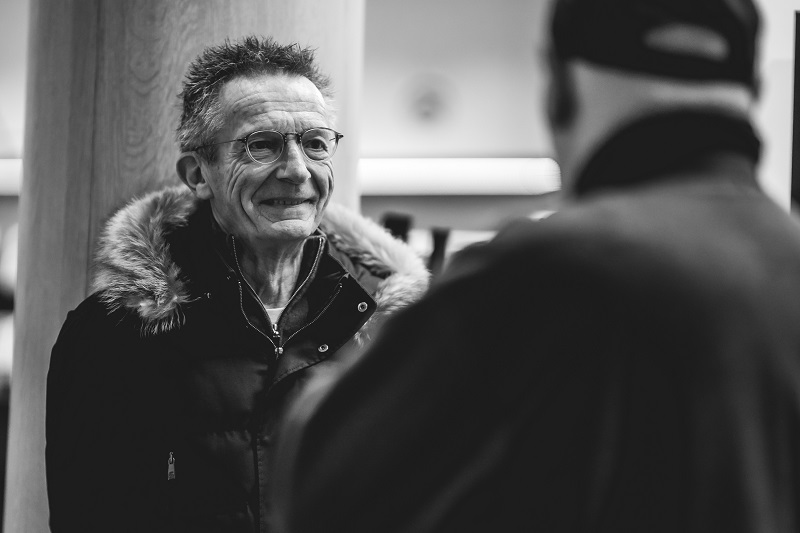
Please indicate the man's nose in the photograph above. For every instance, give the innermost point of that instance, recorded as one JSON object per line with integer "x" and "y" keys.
{"x": 293, "y": 167}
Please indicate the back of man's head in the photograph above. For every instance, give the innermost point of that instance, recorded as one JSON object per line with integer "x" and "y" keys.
{"x": 692, "y": 40}
{"x": 614, "y": 61}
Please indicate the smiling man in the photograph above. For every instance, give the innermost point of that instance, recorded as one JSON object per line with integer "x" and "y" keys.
{"x": 214, "y": 303}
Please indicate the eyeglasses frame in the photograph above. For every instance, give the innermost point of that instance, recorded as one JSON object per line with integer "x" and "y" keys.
{"x": 298, "y": 136}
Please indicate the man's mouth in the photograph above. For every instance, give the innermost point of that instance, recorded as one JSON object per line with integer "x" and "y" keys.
{"x": 286, "y": 202}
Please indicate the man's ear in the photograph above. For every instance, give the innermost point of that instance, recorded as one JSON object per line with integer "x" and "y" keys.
{"x": 192, "y": 172}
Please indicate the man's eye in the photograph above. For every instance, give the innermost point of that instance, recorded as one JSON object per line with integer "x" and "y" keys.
{"x": 316, "y": 144}
{"x": 261, "y": 145}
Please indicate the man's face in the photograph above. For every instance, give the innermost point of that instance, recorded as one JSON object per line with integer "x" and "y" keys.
{"x": 279, "y": 201}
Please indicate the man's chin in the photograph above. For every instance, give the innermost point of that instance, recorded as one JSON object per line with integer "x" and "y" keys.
{"x": 288, "y": 230}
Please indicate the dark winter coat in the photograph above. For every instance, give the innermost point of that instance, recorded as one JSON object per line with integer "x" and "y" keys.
{"x": 630, "y": 364}
{"x": 165, "y": 386}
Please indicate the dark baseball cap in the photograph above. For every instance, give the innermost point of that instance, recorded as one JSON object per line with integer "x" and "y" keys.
{"x": 686, "y": 39}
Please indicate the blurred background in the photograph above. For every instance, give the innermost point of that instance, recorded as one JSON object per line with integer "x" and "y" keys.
{"x": 447, "y": 106}
{"x": 453, "y": 140}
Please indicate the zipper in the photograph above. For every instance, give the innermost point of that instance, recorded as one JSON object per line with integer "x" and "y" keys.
{"x": 322, "y": 311}
{"x": 277, "y": 335}
{"x": 311, "y": 322}
{"x": 252, "y": 291}
{"x": 272, "y": 385}
{"x": 279, "y": 345}
{"x": 241, "y": 308}
{"x": 171, "y": 467}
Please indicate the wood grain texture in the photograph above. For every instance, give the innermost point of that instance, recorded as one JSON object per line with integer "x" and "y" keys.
{"x": 53, "y": 254}
{"x": 102, "y": 108}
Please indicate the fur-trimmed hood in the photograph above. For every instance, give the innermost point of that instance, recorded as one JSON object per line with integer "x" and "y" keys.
{"x": 135, "y": 272}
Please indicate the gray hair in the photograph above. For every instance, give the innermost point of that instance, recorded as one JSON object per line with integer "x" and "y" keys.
{"x": 201, "y": 116}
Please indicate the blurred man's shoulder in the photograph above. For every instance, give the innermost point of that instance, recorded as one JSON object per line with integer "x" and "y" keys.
{"x": 573, "y": 237}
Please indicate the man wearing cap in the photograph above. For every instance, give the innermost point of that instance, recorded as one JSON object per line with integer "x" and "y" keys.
{"x": 631, "y": 363}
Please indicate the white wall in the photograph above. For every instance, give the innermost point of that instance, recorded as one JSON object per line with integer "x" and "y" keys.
{"x": 774, "y": 113}
{"x": 453, "y": 78}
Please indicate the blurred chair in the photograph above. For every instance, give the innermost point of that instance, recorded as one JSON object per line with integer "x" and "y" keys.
{"x": 438, "y": 255}
{"x": 398, "y": 224}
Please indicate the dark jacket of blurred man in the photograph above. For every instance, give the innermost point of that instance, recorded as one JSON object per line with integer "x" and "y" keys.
{"x": 631, "y": 363}
{"x": 213, "y": 304}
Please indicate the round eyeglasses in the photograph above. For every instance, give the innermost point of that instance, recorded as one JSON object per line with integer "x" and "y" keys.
{"x": 266, "y": 146}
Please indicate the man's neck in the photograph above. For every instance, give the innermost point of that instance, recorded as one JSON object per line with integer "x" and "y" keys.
{"x": 609, "y": 100}
{"x": 687, "y": 145}
{"x": 272, "y": 271}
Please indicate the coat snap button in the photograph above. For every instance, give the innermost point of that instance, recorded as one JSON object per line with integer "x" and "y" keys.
{"x": 323, "y": 348}
{"x": 362, "y": 307}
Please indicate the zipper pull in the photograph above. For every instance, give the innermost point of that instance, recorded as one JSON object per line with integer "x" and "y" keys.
{"x": 171, "y": 467}
{"x": 277, "y": 340}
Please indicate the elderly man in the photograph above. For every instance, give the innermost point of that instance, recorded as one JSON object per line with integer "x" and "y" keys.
{"x": 213, "y": 304}
{"x": 631, "y": 363}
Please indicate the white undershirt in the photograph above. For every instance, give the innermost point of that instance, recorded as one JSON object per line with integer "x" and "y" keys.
{"x": 275, "y": 313}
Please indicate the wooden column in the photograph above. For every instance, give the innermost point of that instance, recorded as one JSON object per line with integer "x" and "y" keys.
{"x": 101, "y": 110}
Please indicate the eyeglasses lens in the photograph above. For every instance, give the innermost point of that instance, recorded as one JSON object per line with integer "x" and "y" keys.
{"x": 319, "y": 144}
{"x": 265, "y": 146}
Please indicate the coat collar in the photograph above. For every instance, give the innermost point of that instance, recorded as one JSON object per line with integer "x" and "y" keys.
{"x": 666, "y": 144}
{"x": 135, "y": 270}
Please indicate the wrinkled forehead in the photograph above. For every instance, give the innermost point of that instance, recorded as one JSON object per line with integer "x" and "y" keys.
{"x": 246, "y": 98}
